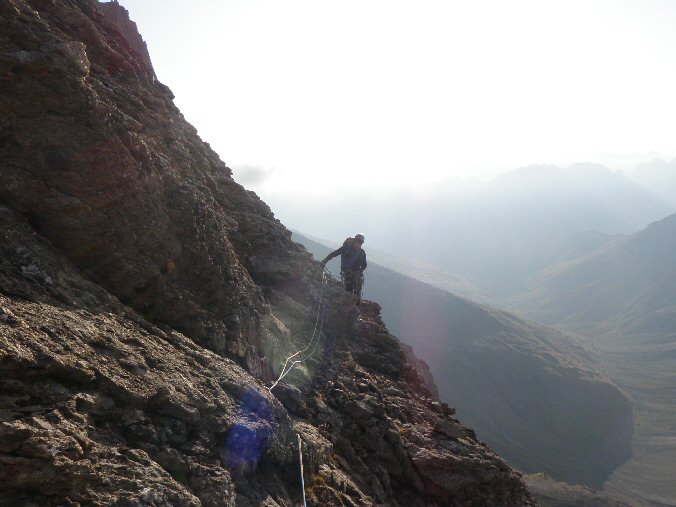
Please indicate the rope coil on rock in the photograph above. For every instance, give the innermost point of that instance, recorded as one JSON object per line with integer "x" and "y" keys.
{"x": 286, "y": 369}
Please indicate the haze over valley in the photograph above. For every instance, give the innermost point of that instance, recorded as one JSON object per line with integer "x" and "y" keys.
{"x": 495, "y": 235}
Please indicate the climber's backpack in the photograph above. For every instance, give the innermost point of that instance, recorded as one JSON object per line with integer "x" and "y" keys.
{"x": 350, "y": 257}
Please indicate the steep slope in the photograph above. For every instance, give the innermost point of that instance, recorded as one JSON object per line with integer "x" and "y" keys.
{"x": 100, "y": 160}
{"x": 146, "y": 299}
{"x": 627, "y": 286}
{"x": 532, "y": 393}
{"x": 101, "y": 407}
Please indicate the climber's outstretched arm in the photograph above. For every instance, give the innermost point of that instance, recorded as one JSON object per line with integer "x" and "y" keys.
{"x": 333, "y": 254}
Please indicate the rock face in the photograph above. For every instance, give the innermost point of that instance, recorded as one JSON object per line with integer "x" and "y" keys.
{"x": 146, "y": 300}
{"x": 97, "y": 156}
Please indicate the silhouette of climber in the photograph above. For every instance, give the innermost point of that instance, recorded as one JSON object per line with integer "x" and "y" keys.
{"x": 352, "y": 264}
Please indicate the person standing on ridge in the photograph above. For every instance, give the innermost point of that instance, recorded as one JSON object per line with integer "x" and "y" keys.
{"x": 352, "y": 264}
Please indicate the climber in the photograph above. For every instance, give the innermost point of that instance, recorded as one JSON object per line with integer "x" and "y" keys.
{"x": 352, "y": 264}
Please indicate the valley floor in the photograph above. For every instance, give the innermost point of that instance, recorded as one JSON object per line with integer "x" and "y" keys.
{"x": 648, "y": 477}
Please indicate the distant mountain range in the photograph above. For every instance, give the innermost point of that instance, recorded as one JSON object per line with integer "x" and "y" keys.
{"x": 495, "y": 235}
{"x": 658, "y": 177}
{"x": 534, "y": 394}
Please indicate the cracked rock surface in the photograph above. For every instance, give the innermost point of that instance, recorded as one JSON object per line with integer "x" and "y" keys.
{"x": 147, "y": 300}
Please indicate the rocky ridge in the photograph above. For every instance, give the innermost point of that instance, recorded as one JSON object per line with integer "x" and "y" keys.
{"x": 146, "y": 300}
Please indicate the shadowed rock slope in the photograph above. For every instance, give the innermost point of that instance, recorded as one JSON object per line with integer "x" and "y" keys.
{"x": 533, "y": 393}
{"x": 146, "y": 299}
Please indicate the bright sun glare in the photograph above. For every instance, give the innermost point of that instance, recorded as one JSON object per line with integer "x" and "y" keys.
{"x": 317, "y": 95}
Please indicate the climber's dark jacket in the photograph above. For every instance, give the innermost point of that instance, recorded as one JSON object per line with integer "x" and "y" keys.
{"x": 350, "y": 258}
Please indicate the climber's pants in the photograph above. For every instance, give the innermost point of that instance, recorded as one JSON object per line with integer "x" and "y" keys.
{"x": 353, "y": 280}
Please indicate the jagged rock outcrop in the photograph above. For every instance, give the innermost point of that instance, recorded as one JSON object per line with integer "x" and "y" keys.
{"x": 101, "y": 407}
{"x": 97, "y": 156}
{"x": 392, "y": 437}
{"x": 146, "y": 299}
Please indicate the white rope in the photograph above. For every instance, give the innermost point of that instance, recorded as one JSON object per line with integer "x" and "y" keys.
{"x": 302, "y": 475}
{"x": 285, "y": 371}
{"x": 321, "y": 292}
{"x": 298, "y": 361}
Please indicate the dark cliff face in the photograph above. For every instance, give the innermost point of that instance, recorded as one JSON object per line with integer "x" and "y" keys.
{"x": 146, "y": 299}
{"x": 100, "y": 160}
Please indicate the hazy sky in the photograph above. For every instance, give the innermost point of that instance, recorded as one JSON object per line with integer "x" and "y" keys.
{"x": 318, "y": 95}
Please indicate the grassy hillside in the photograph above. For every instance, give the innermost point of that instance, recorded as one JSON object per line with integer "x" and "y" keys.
{"x": 627, "y": 286}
